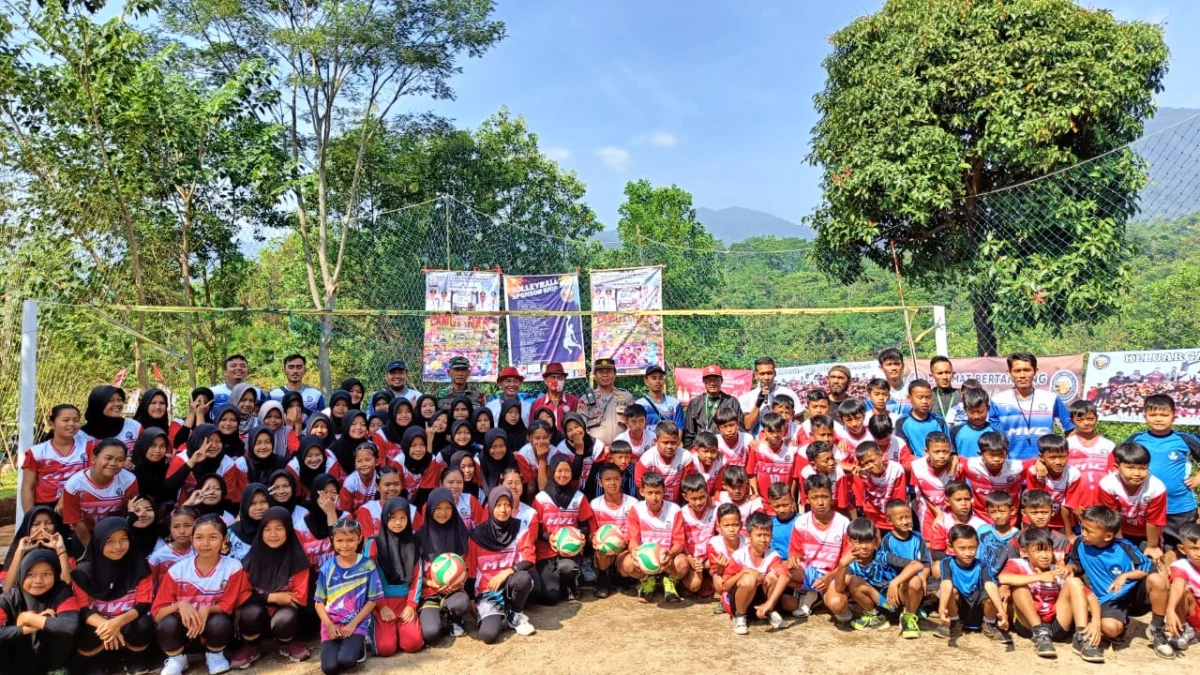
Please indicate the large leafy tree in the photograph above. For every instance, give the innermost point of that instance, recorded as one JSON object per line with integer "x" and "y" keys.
{"x": 928, "y": 105}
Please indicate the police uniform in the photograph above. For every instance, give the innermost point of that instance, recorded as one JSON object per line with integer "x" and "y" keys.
{"x": 446, "y": 395}
{"x": 605, "y": 413}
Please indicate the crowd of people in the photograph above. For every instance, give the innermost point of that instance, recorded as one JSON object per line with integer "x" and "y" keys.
{"x": 260, "y": 519}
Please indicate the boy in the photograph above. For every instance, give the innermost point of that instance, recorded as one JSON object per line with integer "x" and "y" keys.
{"x": 920, "y": 421}
{"x": 620, "y": 456}
{"x": 785, "y": 406}
{"x": 822, "y": 431}
{"x": 1023, "y": 413}
{"x": 706, "y": 461}
{"x": 658, "y": 404}
{"x": 1058, "y": 478}
{"x": 1037, "y": 508}
{"x": 876, "y": 578}
{"x": 821, "y": 461}
{"x": 902, "y": 541}
{"x": 853, "y": 426}
{"x": 1089, "y": 452}
{"x": 817, "y": 545}
{"x": 612, "y": 507}
{"x": 665, "y": 459}
{"x": 1121, "y": 577}
{"x": 699, "y": 519}
{"x": 737, "y": 492}
{"x": 893, "y": 447}
{"x": 877, "y": 483}
{"x": 721, "y": 547}
{"x": 1048, "y": 602}
{"x": 1140, "y": 498}
{"x": 992, "y": 470}
{"x": 655, "y": 520}
{"x": 816, "y": 405}
{"x": 635, "y": 430}
{"x": 784, "y": 506}
{"x": 879, "y": 395}
{"x": 755, "y": 575}
{"x": 1183, "y": 601}
{"x": 733, "y": 443}
{"x": 1172, "y": 454}
{"x": 947, "y": 401}
{"x": 965, "y": 436}
{"x": 891, "y": 362}
{"x": 958, "y": 511}
{"x": 771, "y": 459}
{"x": 968, "y": 596}
{"x": 930, "y": 476}
{"x": 994, "y": 539}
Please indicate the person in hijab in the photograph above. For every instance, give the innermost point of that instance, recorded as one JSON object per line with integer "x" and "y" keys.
{"x": 443, "y": 609}
{"x": 339, "y": 405}
{"x": 546, "y": 416}
{"x": 315, "y": 517}
{"x": 512, "y": 424}
{"x": 41, "y": 529}
{"x": 460, "y": 441}
{"x": 210, "y": 498}
{"x": 438, "y": 431}
{"x": 354, "y": 432}
{"x": 422, "y": 470}
{"x": 260, "y": 460}
{"x": 153, "y": 410}
{"x": 461, "y": 408}
{"x": 199, "y": 412}
{"x": 255, "y": 502}
{"x": 321, "y": 426}
{"x": 145, "y": 526}
{"x": 501, "y": 561}
{"x": 559, "y": 505}
{"x": 482, "y": 422}
{"x": 381, "y": 399}
{"x": 282, "y": 489}
{"x": 286, "y": 440}
{"x": 151, "y": 459}
{"x": 204, "y": 456}
{"x": 389, "y": 484}
{"x": 357, "y": 391}
{"x": 114, "y": 590}
{"x": 229, "y": 421}
{"x": 397, "y": 556}
{"x": 579, "y": 447}
{"x": 312, "y": 460}
{"x": 278, "y": 573}
{"x": 244, "y": 396}
{"x": 398, "y": 419}
{"x": 37, "y": 633}
{"x": 496, "y": 457}
{"x": 103, "y": 419}
{"x": 425, "y": 408}
{"x": 468, "y": 466}
{"x": 375, "y": 423}
{"x": 294, "y": 412}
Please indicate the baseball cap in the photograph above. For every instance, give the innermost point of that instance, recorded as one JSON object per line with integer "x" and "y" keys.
{"x": 714, "y": 369}
{"x": 398, "y": 364}
{"x": 554, "y": 368}
{"x": 604, "y": 363}
{"x": 508, "y": 372}
{"x": 459, "y": 362}
{"x": 655, "y": 369}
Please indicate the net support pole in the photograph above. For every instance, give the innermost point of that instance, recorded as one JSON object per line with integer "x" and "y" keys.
{"x": 27, "y": 410}
{"x": 941, "y": 342}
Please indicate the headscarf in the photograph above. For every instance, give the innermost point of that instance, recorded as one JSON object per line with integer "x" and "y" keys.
{"x": 340, "y": 395}
{"x": 439, "y": 441}
{"x": 461, "y": 398}
{"x": 281, "y": 434}
{"x": 290, "y": 504}
{"x": 382, "y": 417}
{"x": 151, "y": 476}
{"x": 74, "y": 550}
{"x": 207, "y": 393}
{"x": 416, "y": 467}
{"x": 99, "y": 425}
{"x": 453, "y": 447}
{"x": 396, "y": 554}
{"x": 288, "y": 397}
{"x": 307, "y": 475}
{"x": 588, "y": 444}
{"x": 258, "y": 468}
{"x": 16, "y": 600}
{"x": 343, "y": 448}
{"x": 105, "y": 579}
{"x": 146, "y": 538}
{"x": 391, "y": 430}
{"x": 561, "y": 495}
{"x": 476, "y": 435}
{"x": 518, "y": 434}
{"x": 316, "y": 520}
{"x": 438, "y": 538}
{"x": 456, "y": 464}
{"x": 385, "y": 394}
{"x": 231, "y": 444}
{"x": 235, "y": 396}
{"x": 219, "y": 507}
{"x": 494, "y": 535}
{"x": 417, "y": 416}
{"x": 270, "y": 570}
{"x": 142, "y": 415}
{"x": 330, "y": 437}
{"x": 246, "y": 528}
{"x": 348, "y": 384}
{"x": 493, "y": 469}
{"x": 195, "y": 441}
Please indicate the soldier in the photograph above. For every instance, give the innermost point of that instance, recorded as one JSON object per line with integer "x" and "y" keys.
{"x": 604, "y": 407}
{"x": 460, "y": 370}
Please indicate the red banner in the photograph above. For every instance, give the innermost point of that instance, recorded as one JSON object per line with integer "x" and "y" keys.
{"x": 689, "y": 383}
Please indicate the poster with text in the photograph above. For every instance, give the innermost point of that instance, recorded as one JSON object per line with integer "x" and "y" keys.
{"x": 447, "y": 291}
{"x": 801, "y": 379}
{"x": 449, "y": 335}
{"x": 534, "y": 341}
{"x": 1119, "y": 382}
{"x": 689, "y": 383}
{"x": 633, "y": 341}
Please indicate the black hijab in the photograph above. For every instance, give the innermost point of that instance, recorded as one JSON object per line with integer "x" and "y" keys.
{"x": 333, "y": 428}
{"x": 196, "y": 441}
{"x": 462, "y": 398}
{"x": 74, "y": 550}
{"x": 348, "y": 384}
{"x": 151, "y": 476}
{"x": 206, "y": 392}
{"x": 307, "y": 475}
{"x": 343, "y": 448}
{"x": 99, "y": 425}
{"x": 340, "y": 395}
{"x": 456, "y": 465}
{"x": 385, "y": 394}
{"x": 438, "y": 538}
{"x": 391, "y": 430}
{"x": 448, "y": 451}
{"x": 396, "y": 554}
{"x": 494, "y": 535}
{"x": 476, "y": 435}
{"x": 219, "y": 507}
{"x": 440, "y": 441}
{"x": 561, "y": 495}
{"x": 146, "y": 538}
{"x": 493, "y": 469}
{"x": 246, "y": 528}
{"x": 289, "y": 397}
{"x": 588, "y": 444}
{"x": 518, "y": 434}
{"x": 105, "y": 579}
{"x": 270, "y": 570}
{"x": 318, "y": 524}
{"x": 416, "y": 467}
{"x": 417, "y": 416}
{"x": 142, "y": 416}
{"x": 258, "y": 469}
{"x": 290, "y": 504}
{"x": 15, "y": 600}
{"x": 232, "y": 445}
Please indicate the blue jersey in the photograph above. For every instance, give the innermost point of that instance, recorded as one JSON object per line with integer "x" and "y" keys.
{"x": 781, "y": 535}
{"x": 913, "y": 548}
{"x": 914, "y": 431}
{"x": 1024, "y": 421}
{"x": 881, "y": 570}
{"x": 964, "y": 439}
{"x": 314, "y": 400}
{"x": 1171, "y": 458}
{"x": 668, "y": 409}
{"x": 993, "y": 546}
{"x": 966, "y": 580}
{"x": 1102, "y": 566}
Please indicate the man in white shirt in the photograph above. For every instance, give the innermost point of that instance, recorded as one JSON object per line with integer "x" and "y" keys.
{"x": 758, "y": 401}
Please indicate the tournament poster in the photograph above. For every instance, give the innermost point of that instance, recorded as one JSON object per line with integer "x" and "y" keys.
{"x": 449, "y": 335}
{"x": 534, "y": 341}
{"x": 633, "y": 341}
{"x": 1119, "y": 382}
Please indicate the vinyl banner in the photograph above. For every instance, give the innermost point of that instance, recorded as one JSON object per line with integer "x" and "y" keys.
{"x": 1119, "y": 382}
{"x": 534, "y": 341}
{"x": 448, "y": 335}
{"x": 801, "y": 379}
{"x": 689, "y": 383}
{"x": 635, "y": 342}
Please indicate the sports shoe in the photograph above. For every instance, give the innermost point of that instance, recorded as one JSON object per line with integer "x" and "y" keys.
{"x": 869, "y": 620}
{"x": 520, "y": 623}
{"x": 175, "y": 665}
{"x": 1184, "y": 641}
{"x": 804, "y": 609}
{"x": 645, "y": 589}
{"x": 366, "y": 646}
{"x": 294, "y": 652}
{"x": 776, "y": 620}
{"x": 1158, "y": 641}
{"x": 1043, "y": 645}
{"x": 994, "y": 632}
{"x": 604, "y": 583}
{"x": 910, "y": 626}
{"x": 954, "y": 630}
{"x": 216, "y": 662}
{"x": 669, "y": 592}
{"x": 740, "y": 627}
{"x": 587, "y": 572}
{"x": 718, "y": 608}
{"x": 1085, "y": 650}
{"x": 845, "y": 617}
{"x": 457, "y": 629}
{"x": 243, "y": 657}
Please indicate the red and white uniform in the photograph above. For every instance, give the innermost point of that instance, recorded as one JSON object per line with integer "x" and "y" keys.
{"x": 597, "y": 455}
{"x": 471, "y": 510}
{"x": 744, "y": 558}
{"x": 698, "y": 530}
{"x": 527, "y": 463}
{"x": 370, "y": 517}
{"x": 53, "y": 469}
{"x": 235, "y": 481}
{"x": 640, "y": 447}
{"x": 355, "y": 491}
{"x": 331, "y": 467}
{"x": 672, "y": 471}
{"x": 1010, "y": 479}
{"x": 842, "y": 435}
{"x": 163, "y": 558}
{"x": 554, "y": 518}
{"x": 603, "y": 514}
{"x": 1146, "y": 506}
{"x": 1045, "y": 593}
{"x": 768, "y": 465}
{"x": 735, "y": 455}
{"x": 1184, "y": 569}
{"x": 939, "y": 538}
{"x": 841, "y": 486}
{"x": 1094, "y": 460}
{"x": 873, "y": 493}
{"x": 1065, "y": 491}
{"x": 84, "y": 500}
{"x": 225, "y": 585}
{"x": 749, "y": 506}
{"x": 317, "y": 549}
{"x": 931, "y": 489}
{"x": 664, "y": 528}
{"x": 820, "y": 546}
{"x": 528, "y": 516}
{"x": 483, "y": 565}
{"x": 711, "y": 475}
{"x": 388, "y": 450}
{"x": 895, "y": 449}
{"x": 427, "y": 480}
{"x": 128, "y": 434}
{"x": 718, "y": 547}
{"x": 142, "y": 594}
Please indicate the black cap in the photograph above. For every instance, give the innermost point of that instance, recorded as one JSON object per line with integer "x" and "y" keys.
{"x": 655, "y": 369}
{"x": 398, "y": 364}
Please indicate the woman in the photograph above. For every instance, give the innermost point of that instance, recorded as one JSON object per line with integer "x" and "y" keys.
{"x": 103, "y": 417}
{"x": 154, "y": 410}
{"x": 260, "y": 460}
{"x": 443, "y": 610}
{"x": 150, "y": 460}
{"x": 460, "y": 441}
{"x": 271, "y": 416}
{"x": 211, "y": 498}
{"x": 199, "y": 406}
{"x": 579, "y": 447}
{"x": 559, "y": 505}
{"x": 381, "y": 399}
{"x": 397, "y": 556}
{"x": 41, "y": 529}
{"x": 254, "y": 503}
{"x": 314, "y": 519}
{"x": 357, "y": 391}
{"x": 278, "y": 572}
{"x": 37, "y": 632}
{"x": 339, "y": 405}
{"x": 204, "y": 456}
{"x": 399, "y": 419}
{"x": 482, "y": 421}
{"x": 501, "y": 560}
{"x": 422, "y": 469}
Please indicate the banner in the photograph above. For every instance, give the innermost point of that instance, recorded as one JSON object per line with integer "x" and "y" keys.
{"x": 534, "y": 341}
{"x": 689, "y": 383}
{"x": 634, "y": 342}
{"x": 447, "y": 335}
{"x": 1119, "y": 382}
{"x": 801, "y": 379}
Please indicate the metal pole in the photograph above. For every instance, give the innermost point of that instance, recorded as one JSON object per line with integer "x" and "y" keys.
{"x": 941, "y": 343}
{"x": 27, "y": 410}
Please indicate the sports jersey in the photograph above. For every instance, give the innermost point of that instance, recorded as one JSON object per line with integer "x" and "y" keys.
{"x": 427, "y": 479}
{"x": 967, "y": 580}
{"x": 235, "y": 481}
{"x": 1065, "y": 491}
{"x": 346, "y": 590}
{"x": 127, "y": 435}
{"x": 1094, "y": 460}
{"x": 312, "y": 398}
{"x": 1059, "y": 542}
{"x": 939, "y": 539}
{"x": 84, "y": 500}
{"x": 1171, "y": 459}
{"x": 931, "y": 490}
{"x": 527, "y": 463}
{"x": 735, "y": 455}
{"x": 355, "y": 492}
{"x": 842, "y": 435}
{"x": 820, "y": 546}
{"x": 618, "y": 516}
{"x": 711, "y": 475}
{"x": 767, "y": 465}
{"x": 483, "y": 565}
{"x": 697, "y": 530}
{"x": 1102, "y": 566}
{"x": 992, "y": 546}
{"x": 596, "y": 455}
{"x": 841, "y": 486}
{"x": 142, "y": 594}
{"x": 1010, "y": 479}
{"x": 1045, "y": 593}
{"x": 743, "y": 558}
{"x": 331, "y": 465}
{"x": 639, "y": 448}
{"x": 719, "y": 548}
{"x": 668, "y": 409}
{"x": 964, "y": 439}
{"x": 318, "y": 549}
{"x": 664, "y": 528}
{"x": 1024, "y": 421}
{"x": 163, "y": 558}
{"x": 554, "y": 518}
{"x": 1184, "y": 569}
{"x": 781, "y": 534}
{"x": 1145, "y": 506}
{"x": 528, "y": 517}
{"x": 471, "y": 511}
{"x": 872, "y": 492}
{"x": 914, "y": 431}
{"x": 749, "y": 506}
{"x": 225, "y": 585}
{"x": 895, "y": 449}
{"x": 880, "y": 570}
{"x": 53, "y": 469}
{"x": 913, "y": 548}
{"x": 672, "y": 471}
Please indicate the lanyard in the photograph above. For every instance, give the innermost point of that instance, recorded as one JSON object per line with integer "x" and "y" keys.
{"x": 1028, "y": 418}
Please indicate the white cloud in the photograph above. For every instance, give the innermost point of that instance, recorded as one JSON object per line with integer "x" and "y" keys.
{"x": 557, "y": 153}
{"x": 659, "y": 139}
{"x": 614, "y": 157}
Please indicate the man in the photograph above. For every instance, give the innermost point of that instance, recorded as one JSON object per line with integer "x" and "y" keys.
{"x": 947, "y": 401}
{"x": 556, "y": 399}
{"x": 460, "y": 371}
{"x": 1025, "y": 414}
{"x": 397, "y": 381}
{"x": 658, "y": 403}
{"x": 701, "y": 409}
{"x": 891, "y": 362}
{"x": 604, "y": 406}
{"x": 295, "y": 366}
{"x": 838, "y": 383}
{"x": 758, "y": 401}
{"x": 510, "y": 381}
{"x": 236, "y": 369}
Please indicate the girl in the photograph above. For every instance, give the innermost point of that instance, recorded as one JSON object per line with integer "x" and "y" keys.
{"x": 354, "y": 387}
{"x": 469, "y": 467}
{"x": 399, "y": 419}
{"x": 255, "y": 502}
{"x": 154, "y": 410}
{"x": 512, "y": 424}
{"x": 311, "y": 461}
{"x": 203, "y": 457}
{"x": 495, "y": 458}
{"x": 359, "y": 487}
{"x": 179, "y": 542}
{"x": 460, "y": 441}
{"x": 261, "y": 461}
{"x": 511, "y": 479}
{"x": 461, "y": 408}
{"x": 150, "y": 463}
{"x": 426, "y": 408}
{"x": 195, "y": 601}
{"x": 579, "y": 447}
{"x": 113, "y": 591}
{"x": 547, "y": 416}
{"x": 381, "y": 399}
{"x": 370, "y": 515}
{"x": 104, "y": 420}
{"x": 481, "y": 423}
{"x": 277, "y": 573}
{"x": 40, "y": 530}
{"x": 339, "y": 404}
{"x": 245, "y": 397}
{"x": 319, "y": 425}
{"x": 228, "y": 421}
{"x": 559, "y": 505}
{"x": 294, "y": 415}
{"x": 285, "y": 440}
{"x": 211, "y": 498}
{"x": 348, "y": 589}
{"x": 468, "y": 506}
{"x": 313, "y": 520}
{"x": 531, "y": 459}
{"x": 143, "y": 523}
{"x": 443, "y": 608}
{"x": 397, "y": 556}
{"x": 438, "y": 431}
{"x": 101, "y": 491}
{"x": 500, "y": 559}
{"x": 37, "y": 617}
{"x": 375, "y": 423}
{"x": 422, "y": 470}
{"x": 281, "y": 488}
{"x": 354, "y": 432}
{"x": 49, "y": 464}
{"x": 199, "y": 406}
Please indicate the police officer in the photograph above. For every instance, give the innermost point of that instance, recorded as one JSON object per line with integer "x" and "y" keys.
{"x": 604, "y": 406}
{"x": 460, "y": 370}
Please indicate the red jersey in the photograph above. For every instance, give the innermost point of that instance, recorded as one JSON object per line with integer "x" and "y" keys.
{"x": 1146, "y": 506}
{"x": 235, "y": 481}
{"x": 1094, "y": 460}
{"x": 484, "y": 564}
{"x": 554, "y": 518}
{"x": 596, "y": 455}
{"x": 1184, "y": 569}
{"x": 142, "y": 594}
{"x": 841, "y": 486}
{"x": 355, "y": 492}
{"x": 428, "y": 479}
{"x": 873, "y": 493}
{"x": 1045, "y": 593}
{"x": 1010, "y": 479}
{"x": 225, "y": 585}
{"x": 53, "y": 469}
{"x": 664, "y": 528}
{"x": 163, "y": 558}
{"x": 940, "y": 534}
{"x": 711, "y": 475}
{"x": 370, "y": 515}
{"x": 85, "y": 501}
{"x": 604, "y": 514}
{"x": 698, "y": 530}
{"x": 735, "y": 454}
{"x": 1065, "y": 491}
{"x": 672, "y": 471}
{"x": 749, "y": 505}
{"x": 931, "y": 493}
{"x": 820, "y": 546}
{"x": 767, "y": 465}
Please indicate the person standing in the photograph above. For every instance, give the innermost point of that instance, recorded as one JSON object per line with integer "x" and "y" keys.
{"x": 758, "y": 401}
{"x": 658, "y": 403}
{"x": 510, "y": 382}
{"x": 701, "y": 409}
{"x": 947, "y": 401}
{"x": 556, "y": 399}
{"x": 236, "y": 370}
{"x": 838, "y": 384}
{"x": 295, "y": 367}
{"x": 604, "y": 406}
{"x": 460, "y": 372}
{"x": 1023, "y": 413}
{"x": 397, "y": 381}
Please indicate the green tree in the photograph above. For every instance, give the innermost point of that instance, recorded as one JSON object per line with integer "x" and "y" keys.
{"x": 929, "y": 104}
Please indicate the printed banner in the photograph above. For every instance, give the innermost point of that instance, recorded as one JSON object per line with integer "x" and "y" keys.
{"x": 634, "y": 342}
{"x": 534, "y": 341}
{"x": 801, "y": 379}
{"x": 1119, "y": 382}
{"x": 475, "y": 337}
{"x": 689, "y": 383}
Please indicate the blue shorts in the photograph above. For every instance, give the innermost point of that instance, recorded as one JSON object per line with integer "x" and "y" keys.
{"x": 811, "y": 574}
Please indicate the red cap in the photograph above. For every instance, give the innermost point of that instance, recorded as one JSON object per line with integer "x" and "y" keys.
{"x": 714, "y": 369}
{"x": 554, "y": 368}
{"x": 508, "y": 372}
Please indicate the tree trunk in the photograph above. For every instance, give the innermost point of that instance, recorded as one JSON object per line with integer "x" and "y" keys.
{"x": 324, "y": 343}
{"x": 985, "y": 328}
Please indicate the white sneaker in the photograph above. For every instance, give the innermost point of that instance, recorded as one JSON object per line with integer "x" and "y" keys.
{"x": 806, "y": 604}
{"x": 457, "y": 629}
{"x": 740, "y": 627}
{"x": 776, "y": 620}
{"x": 217, "y": 663}
{"x": 520, "y": 623}
{"x": 175, "y": 665}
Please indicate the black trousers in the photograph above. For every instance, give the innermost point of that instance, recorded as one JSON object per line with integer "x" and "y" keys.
{"x": 435, "y": 620}
{"x": 217, "y": 634}
{"x": 255, "y": 623}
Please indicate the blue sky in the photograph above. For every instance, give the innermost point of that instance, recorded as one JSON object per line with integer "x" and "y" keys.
{"x": 712, "y": 95}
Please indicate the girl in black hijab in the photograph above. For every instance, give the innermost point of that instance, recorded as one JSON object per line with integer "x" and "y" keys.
{"x": 393, "y": 428}
{"x": 319, "y": 515}
{"x": 45, "y": 643}
{"x": 443, "y": 609}
{"x": 143, "y": 416}
{"x": 425, "y": 409}
{"x": 228, "y": 420}
{"x": 496, "y": 457}
{"x": 397, "y": 556}
{"x": 477, "y": 421}
{"x": 145, "y": 528}
{"x": 559, "y": 574}
{"x": 210, "y": 497}
{"x": 311, "y": 460}
{"x": 418, "y": 461}
{"x": 460, "y": 441}
{"x": 114, "y": 591}
{"x": 354, "y": 432}
{"x": 99, "y": 423}
{"x": 278, "y": 572}
{"x": 382, "y": 398}
{"x": 282, "y": 489}
{"x": 41, "y": 529}
{"x": 256, "y": 499}
{"x": 438, "y": 430}
{"x": 260, "y": 460}
{"x": 502, "y": 594}
{"x": 546, "y": 416}
{"x": 354, "y": 387}
{"x": 151, "y": 459}
{"x": 516, "y": 431}
{"x": 336, "y": 412}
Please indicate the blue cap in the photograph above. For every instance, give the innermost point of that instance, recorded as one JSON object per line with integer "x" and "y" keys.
{"x": 398, "y": 364}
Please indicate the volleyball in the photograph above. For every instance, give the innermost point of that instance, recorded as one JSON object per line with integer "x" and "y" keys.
{"x": 649, "y": 557}
{"x": 610, "y": 540}
{"x": 448, "y": 569}
{"x": 568, "y": 541}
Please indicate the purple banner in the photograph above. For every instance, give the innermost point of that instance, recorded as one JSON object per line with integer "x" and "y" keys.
{"x": 534, "y": 341}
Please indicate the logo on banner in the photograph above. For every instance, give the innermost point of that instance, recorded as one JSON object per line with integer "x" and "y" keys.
{"x": 1065, "y": 384}
{"x": 1101, "y": 361}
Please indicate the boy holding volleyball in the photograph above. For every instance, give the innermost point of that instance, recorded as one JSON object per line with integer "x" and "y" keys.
{"x": 654, "y": 521}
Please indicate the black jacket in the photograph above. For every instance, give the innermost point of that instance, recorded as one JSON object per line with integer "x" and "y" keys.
{"x": 697, "y": 419}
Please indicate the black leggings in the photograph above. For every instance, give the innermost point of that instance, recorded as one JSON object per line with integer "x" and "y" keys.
{"x": 255, "y": 623}
{"x": 555, "y": 576}
{"x": 36, "y": 654}
{"x": 342, "y": 654}
{"x": 516, "y": 594}
{"x": 138, "y": 635}
{"x": 435, "y": 622}
{"x": 172, "y": 636}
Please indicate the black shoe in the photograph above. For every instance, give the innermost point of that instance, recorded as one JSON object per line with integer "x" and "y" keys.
{"x": 1043, "y": 645}
{"x": 1085, "y": 650}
